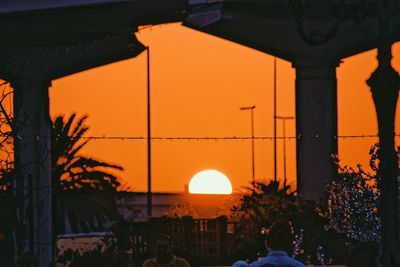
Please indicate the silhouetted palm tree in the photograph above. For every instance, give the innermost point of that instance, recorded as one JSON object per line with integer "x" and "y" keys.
{"x": 84, "y": 187}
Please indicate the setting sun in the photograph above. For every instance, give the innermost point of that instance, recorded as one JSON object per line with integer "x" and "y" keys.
{"x": 210, "y": 182}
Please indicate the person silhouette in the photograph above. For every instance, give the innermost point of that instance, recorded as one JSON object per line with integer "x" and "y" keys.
{"x": 279, "y": 241}
{"x": 122, "y": 259}
{"x": 163, "y": 254}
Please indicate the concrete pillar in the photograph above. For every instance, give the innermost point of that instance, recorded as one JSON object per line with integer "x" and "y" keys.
{"x": 316, "y": 127}
{"x": 385, "y": 84}
{"x": 33, "y": 165}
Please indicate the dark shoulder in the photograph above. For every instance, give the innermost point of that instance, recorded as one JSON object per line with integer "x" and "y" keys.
{"x": 270, "y": 261}
{"x": 181, "y": 262}
{"x": 148, "y": 263}
{"x": 288, "y": 264}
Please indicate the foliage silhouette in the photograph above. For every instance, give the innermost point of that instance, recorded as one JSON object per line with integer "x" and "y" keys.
{"x": 263, "y": 203}
{"x": 353, "y": 201}
{"x": 84, "y": 187}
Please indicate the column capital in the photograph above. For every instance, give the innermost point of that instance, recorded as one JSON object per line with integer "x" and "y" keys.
{"x": 26, "y": 68}
{"x": 30, "y": 82}
{"x": 315, "y": 70}
{"x": 303, "y": 63}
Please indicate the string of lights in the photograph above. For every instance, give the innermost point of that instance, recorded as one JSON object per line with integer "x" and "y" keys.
{"x": 212, "y": 138}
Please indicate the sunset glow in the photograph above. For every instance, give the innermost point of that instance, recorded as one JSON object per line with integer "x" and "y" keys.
{"x": 207, "y": 107}
{"x": 210, "y": 182}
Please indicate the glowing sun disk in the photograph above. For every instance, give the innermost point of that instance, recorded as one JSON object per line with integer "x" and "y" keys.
{"x": 210, "y": 182}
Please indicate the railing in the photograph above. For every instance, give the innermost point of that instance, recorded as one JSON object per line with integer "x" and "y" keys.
{"x": 201, "y": 241}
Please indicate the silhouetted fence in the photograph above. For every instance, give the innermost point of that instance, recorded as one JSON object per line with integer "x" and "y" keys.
{"x": 201, "y": 241}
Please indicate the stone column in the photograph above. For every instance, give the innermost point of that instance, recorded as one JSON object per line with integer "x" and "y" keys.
{"x": 385, "y": 84}
{"x": 33, "y": 164}
{"x": 316, "y": 127}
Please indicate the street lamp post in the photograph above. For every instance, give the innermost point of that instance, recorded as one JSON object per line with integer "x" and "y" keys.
{"x": 149, "y": 192}
{"x": 251, "y": 108}
{"x": 275, "y": 162}
{"x": 283, "y": 118}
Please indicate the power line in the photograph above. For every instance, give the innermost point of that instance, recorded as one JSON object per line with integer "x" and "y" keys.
{"x": 217, "y": 138}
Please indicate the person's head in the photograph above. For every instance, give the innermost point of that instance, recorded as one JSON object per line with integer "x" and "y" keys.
{"x": 280, "y": 236}
{"x": 122, "y": 259}
{"x": 366, "y": 255}
{"x": 163, "y": 247}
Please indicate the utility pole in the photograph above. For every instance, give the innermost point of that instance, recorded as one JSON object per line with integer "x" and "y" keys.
{"x": 275, "y": 172}
{"x": 251, "y": 108}
{"x": 149, "y": 193}
{"x": 283, "y": 118}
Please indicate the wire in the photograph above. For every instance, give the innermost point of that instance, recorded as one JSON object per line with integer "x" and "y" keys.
{"x": 195, "y": 138}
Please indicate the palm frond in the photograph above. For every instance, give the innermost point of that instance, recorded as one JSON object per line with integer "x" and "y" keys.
{"x": 85, "y": 185}
{"x": 67, "y": 126}
{"x": 77, "y": 149}
{"x": 93, "y": 163}
{"x": 79, "y": 125}
{"x": 74, "y": 139}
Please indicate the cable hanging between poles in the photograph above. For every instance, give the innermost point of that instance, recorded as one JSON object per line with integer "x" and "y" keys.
{"x": 217, "y": 138}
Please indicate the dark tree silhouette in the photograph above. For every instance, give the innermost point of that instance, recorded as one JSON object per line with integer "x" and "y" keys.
{"x": 84, "y": 187}
{"x": 7, "y": 203}
{"x": 6, "y": 137}
{"x": 263, "y": 203}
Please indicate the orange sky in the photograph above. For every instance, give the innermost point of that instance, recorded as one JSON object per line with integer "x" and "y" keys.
{"x": 198, "y": 84}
